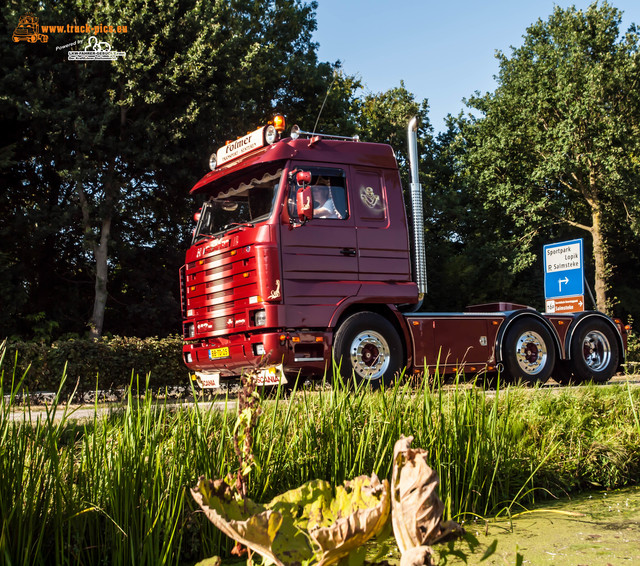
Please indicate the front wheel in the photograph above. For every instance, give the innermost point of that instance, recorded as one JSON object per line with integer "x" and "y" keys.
{"x": 368, "y": 348}
{"x": 529, "y": 353}
{"x": 594, "y": 352}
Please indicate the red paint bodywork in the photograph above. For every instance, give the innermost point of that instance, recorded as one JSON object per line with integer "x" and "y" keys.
{"x": 307, "y": 278}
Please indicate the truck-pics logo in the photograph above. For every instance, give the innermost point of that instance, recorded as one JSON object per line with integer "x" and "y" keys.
{"x": 28, "y": 29}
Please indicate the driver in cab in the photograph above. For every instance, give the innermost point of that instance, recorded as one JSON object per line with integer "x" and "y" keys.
{"x": 323, "y": 206}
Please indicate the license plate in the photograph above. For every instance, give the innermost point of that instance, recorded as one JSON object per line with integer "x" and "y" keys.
{"x": 208, "y": 380}
{"x": 271, "y": 376}
{"x": 216, "y": 353}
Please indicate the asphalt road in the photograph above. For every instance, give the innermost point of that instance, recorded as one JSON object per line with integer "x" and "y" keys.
{"x": 86, "y": 412}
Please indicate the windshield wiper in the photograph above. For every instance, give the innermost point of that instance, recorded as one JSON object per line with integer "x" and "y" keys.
{"x": 203, "y": 235}
{"x": 237, "y": 224}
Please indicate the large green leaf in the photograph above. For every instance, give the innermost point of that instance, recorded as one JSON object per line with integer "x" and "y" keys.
{"x": 307, "y": 525}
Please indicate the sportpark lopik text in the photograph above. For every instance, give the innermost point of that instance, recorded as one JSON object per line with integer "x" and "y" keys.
{"x": 87, "y": 28}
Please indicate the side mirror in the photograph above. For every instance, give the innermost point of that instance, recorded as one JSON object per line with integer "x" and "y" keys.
{"x": 303, "y": 177}
{"x": 304, "y": 204}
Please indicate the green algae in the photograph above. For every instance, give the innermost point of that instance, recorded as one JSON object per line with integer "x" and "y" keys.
{"x": 595, "y": 529}
{"x": 591, "y": 529}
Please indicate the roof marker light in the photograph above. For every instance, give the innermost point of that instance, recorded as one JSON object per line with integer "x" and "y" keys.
{"x": 279, "y": 123}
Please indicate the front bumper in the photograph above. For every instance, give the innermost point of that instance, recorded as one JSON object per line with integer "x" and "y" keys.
{"x": 306, "y": 354}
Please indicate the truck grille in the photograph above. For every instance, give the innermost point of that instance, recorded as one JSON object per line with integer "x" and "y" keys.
{"x": 218, "y": 289}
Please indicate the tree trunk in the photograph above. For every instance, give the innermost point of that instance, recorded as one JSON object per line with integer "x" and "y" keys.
{"x": 600, "y": 260}
{"x": 100, "y": 250}
{"x": 100, "y": 254}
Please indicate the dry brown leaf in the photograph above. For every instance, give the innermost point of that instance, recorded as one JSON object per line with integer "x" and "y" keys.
{"x": 416, "y": 508}
{"x": 417, "y": 556}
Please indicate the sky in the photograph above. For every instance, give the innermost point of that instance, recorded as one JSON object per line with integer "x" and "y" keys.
{"x": 443, "y": 50}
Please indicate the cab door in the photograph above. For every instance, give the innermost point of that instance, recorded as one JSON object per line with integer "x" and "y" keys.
{"x": 320, "y": 257}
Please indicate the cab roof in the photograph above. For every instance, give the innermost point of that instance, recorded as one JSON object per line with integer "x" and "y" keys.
{"x": 320, "y": 150}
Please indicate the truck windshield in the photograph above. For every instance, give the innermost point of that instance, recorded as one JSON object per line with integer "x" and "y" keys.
{"x": 245, "y": 204}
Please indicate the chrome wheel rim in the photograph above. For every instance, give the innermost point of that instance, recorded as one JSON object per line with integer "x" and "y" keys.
{"x": 531, "y": 353}
{"x": 370, "y": 355}
{"x": 596, "y": 350}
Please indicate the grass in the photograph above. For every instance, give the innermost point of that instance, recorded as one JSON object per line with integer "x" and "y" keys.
{"x": 114, "y": 490}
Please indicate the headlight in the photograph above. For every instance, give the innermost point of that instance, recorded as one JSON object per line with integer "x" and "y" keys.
{"x": 213, "y": 161}
{"x": 271, "y": 134}
{"x": 260, "y": 318}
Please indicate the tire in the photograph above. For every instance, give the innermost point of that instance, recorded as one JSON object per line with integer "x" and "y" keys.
{"x": 594, "y": 352}
{"x": 563, "y": 373}
{"x": 529, "y": 352}
{"x": 368, "y": 348}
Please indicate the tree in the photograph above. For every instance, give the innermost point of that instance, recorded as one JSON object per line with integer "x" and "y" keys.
{"x": 106, "y": 151}
{"x": 558, "y": 142}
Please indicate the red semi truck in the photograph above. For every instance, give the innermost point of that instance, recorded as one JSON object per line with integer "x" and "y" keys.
{"x": 301, "y": 257}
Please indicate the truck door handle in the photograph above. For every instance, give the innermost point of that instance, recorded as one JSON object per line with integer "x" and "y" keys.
{"x": 351, "y": 252}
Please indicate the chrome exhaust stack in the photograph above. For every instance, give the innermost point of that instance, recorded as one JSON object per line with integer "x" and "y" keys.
{"x": 418, "y": 216}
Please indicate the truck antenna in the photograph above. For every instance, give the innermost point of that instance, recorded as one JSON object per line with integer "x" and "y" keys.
{"x": 325, "y": 100}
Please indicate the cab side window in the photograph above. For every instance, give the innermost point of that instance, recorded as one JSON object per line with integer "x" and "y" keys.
{"x": 328, "y": 188}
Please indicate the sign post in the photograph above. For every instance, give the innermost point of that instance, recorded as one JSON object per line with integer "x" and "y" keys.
{"x": 564, "y": 277}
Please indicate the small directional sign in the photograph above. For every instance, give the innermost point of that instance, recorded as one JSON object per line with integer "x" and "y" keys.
{"x": 564, "y": 273}
{"x": 565, "y": 304}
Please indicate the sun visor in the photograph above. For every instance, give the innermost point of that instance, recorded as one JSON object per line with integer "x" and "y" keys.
{"x": 221, "y": 179}
{"x": 243, "y": 186}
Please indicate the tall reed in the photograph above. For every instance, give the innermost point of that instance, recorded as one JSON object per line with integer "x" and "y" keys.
{"x": 114, "y": 489}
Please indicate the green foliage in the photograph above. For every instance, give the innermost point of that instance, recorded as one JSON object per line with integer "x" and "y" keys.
{"x": 633, "y": 347}
{"x": 470, "y": 248}
{"x": 105, "y": 364}
{"x": 556, "y": 144}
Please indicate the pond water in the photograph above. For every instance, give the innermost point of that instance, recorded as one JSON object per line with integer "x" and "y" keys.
{"x": 593, "y": 529}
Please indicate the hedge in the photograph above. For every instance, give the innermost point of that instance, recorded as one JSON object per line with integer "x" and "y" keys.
{"x": 106, "y": 364}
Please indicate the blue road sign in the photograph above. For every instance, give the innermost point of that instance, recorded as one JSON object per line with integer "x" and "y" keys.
{"x": 563, "y": 269}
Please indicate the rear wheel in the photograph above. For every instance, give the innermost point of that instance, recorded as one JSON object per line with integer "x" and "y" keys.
{"x": 594, "y": 352}
{"x": 529, "y": 351}
{"x": 367, "y": 347}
